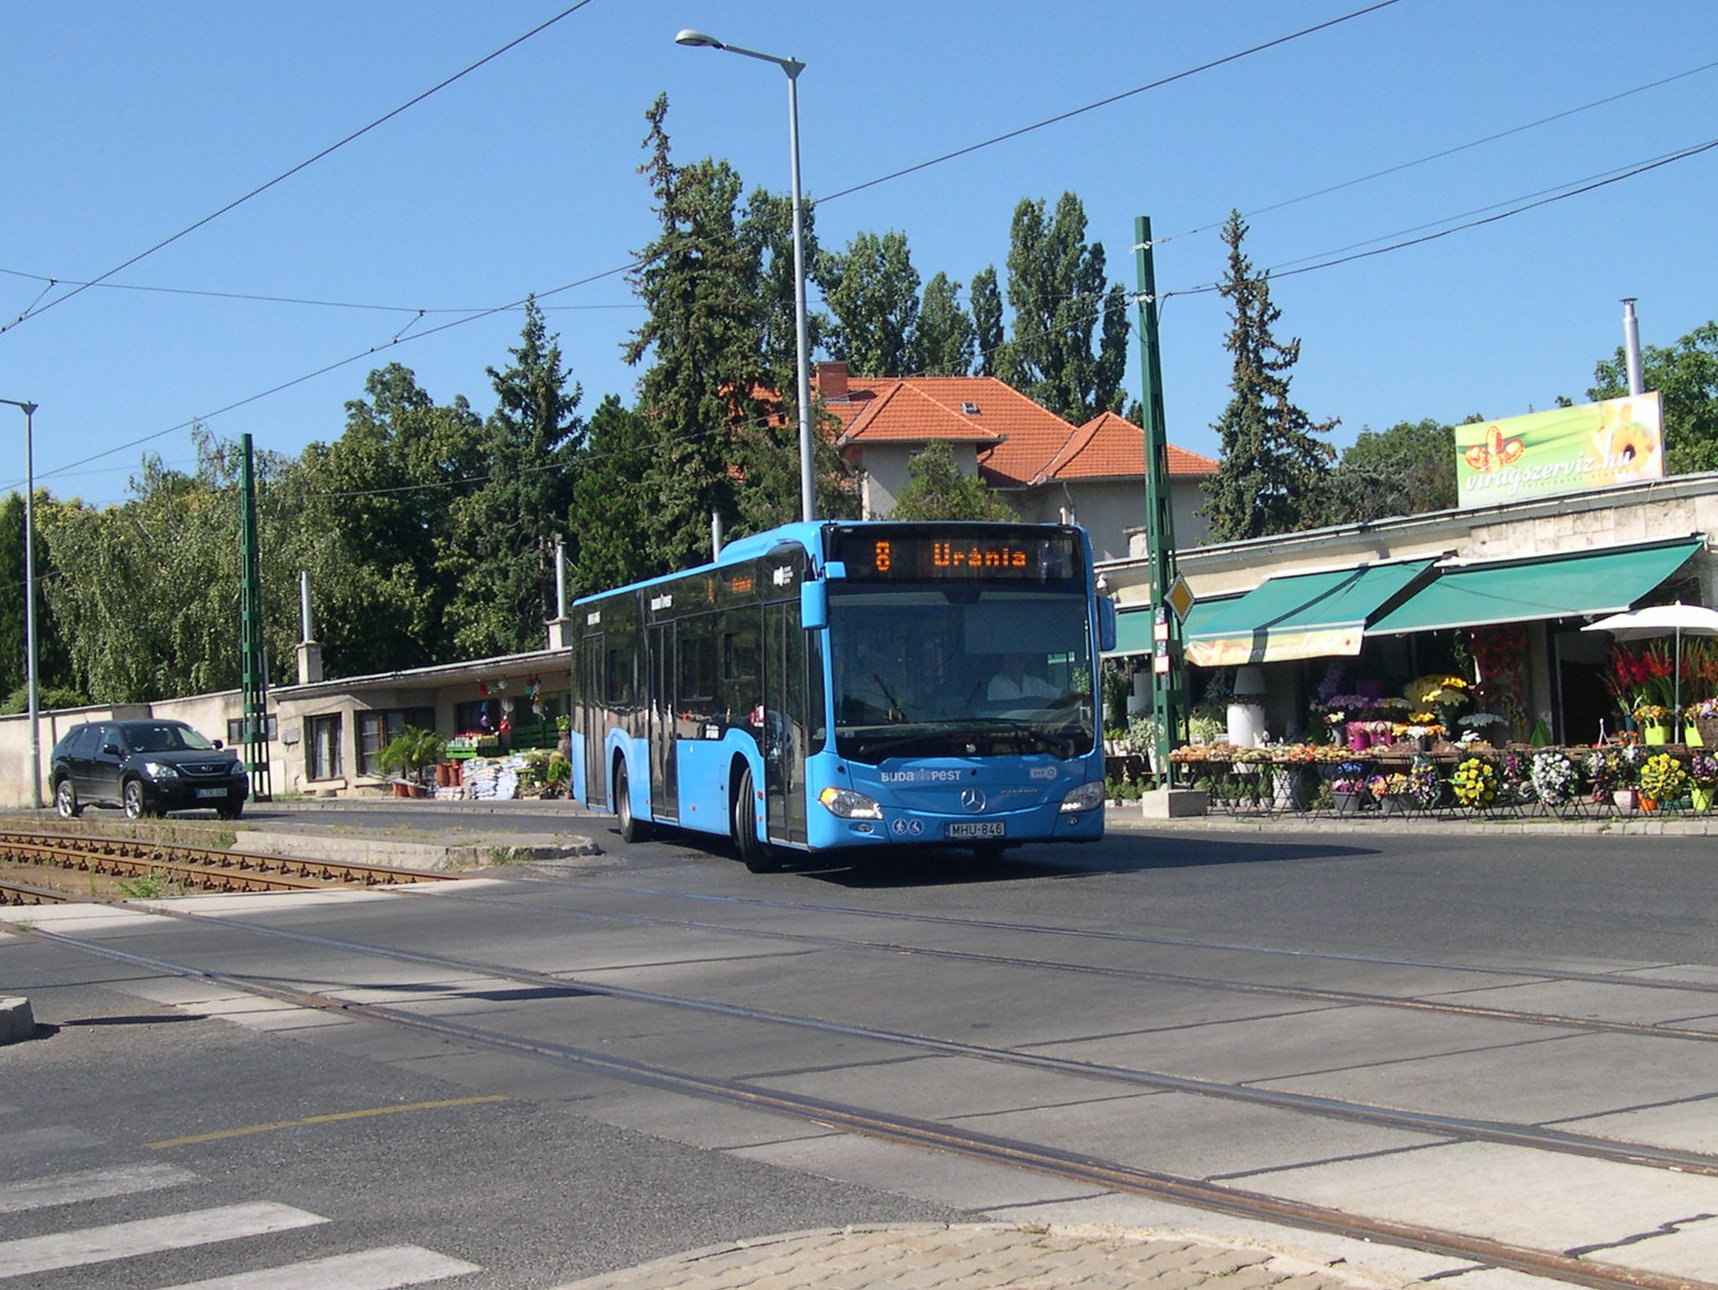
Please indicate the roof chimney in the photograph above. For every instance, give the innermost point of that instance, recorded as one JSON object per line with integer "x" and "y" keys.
{"x": 832, "y": 382}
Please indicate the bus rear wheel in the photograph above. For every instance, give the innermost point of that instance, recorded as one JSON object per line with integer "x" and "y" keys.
{"x": 755, "y": 853}
{"x": 632, "y": 829}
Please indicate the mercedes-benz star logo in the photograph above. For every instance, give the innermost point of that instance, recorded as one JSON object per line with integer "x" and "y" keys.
{"x": 972, "y": 799}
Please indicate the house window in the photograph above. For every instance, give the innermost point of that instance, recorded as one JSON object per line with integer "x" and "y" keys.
{"x": 236, "y": 730}
{"x": 322, "y": 747}
{"x": 377, "y": 729}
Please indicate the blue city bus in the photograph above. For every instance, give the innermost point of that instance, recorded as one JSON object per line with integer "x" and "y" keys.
{"x": 849, "y": 687}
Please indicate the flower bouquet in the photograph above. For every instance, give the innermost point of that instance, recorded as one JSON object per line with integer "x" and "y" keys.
{"x": 1554, "y": 777}
{"x": 1662, "y": 779}
{"x": 1474, "y": 783}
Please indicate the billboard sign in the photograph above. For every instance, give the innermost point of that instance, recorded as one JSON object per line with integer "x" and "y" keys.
{"x": 1565, "y": 450}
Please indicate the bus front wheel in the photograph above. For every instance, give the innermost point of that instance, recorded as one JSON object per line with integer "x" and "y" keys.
{"x": 755, "y": 853}
{"x": 632, "y": 829}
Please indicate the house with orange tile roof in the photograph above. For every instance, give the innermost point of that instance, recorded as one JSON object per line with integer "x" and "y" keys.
{"x": 1046, "y": 469}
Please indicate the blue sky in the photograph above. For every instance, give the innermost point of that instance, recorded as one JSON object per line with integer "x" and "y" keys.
{"x": 127, "y": 123}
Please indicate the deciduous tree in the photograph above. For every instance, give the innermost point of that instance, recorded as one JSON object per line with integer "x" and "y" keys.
{"x": 936, "y": 490}
{"x": 1686, "y": 378}
{"x": 1057, "y": 354}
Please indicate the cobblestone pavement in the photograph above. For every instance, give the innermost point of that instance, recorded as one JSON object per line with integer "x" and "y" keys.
{"x": 977, "y": 1257}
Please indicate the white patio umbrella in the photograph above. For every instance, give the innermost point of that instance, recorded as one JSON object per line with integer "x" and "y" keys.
{"x": 1676, "y": 620}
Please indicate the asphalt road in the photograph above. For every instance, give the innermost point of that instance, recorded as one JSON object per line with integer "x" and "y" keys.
{"x": 1169, "y": 1001}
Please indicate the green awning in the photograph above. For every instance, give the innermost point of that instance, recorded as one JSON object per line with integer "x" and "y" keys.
{"x": 1520, "y": 591}
{"x": 1307, "y": 615}
{"x": 1133, "y": 626}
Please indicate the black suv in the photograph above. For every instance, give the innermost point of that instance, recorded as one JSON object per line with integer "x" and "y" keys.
{"x": 147, "y": 767}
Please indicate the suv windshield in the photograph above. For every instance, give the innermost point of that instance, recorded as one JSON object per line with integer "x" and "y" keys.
{"x": 165, "y": 737}
{"x": 960, "y": 671}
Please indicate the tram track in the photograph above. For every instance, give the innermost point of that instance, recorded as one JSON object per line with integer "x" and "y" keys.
{"x": 1572, "y": 1268}
{"x": 1535, "y": 1137}
{"x": 1310, "y": 994}
{"x": 184, "y": 867}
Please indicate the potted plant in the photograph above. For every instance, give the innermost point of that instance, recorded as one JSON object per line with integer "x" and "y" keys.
{"x": 1702, "y": 779}
{"x": 1654, "y": 722}
{"x": 406, "y": 755}
{"x": 1348, "y": 788}
{"x": 1393, "y": 792}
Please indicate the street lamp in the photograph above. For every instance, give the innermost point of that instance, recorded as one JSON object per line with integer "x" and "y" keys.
{"x": 793, "y": 67}
{"x": 30, "y": 599}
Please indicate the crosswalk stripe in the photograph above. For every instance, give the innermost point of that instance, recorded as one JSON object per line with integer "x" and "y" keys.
{"x": 147, "y": 1236}
{"x": 91, "y": 1184}
{"x": 47, "y": 1141}
{"x": 400, "y": 1265}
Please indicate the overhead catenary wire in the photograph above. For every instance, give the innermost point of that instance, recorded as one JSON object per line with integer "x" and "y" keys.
{"x": 402, "y": 337}
{"x": 37, "y": 310}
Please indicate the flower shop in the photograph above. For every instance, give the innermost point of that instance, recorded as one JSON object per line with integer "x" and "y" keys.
{"x": 1459, "y": 742}
{"x": 1465, "y": 662}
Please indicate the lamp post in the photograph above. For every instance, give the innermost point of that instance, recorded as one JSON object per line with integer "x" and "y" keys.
{"x": 793, "y": 67}
{"x": 30, "y": 599}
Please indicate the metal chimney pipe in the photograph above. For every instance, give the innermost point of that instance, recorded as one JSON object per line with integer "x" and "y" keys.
{"x": 715, "y": 534}
{"x": 1631, "y": 346}
{"x": 304, "y": 605}
{"x": 560, "y": 578}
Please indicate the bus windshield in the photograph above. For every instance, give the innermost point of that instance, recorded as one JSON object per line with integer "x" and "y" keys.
{"x": 959, "y": 671}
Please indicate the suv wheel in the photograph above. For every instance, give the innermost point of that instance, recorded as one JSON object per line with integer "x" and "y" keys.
{"x": 135, "y": 805}
{"x": 66, "y": 800}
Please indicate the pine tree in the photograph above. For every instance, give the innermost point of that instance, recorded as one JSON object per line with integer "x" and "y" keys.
{"x": 500, "y": 548}
{"x": 1272, "y": 469}
{"x": 706, "y": 379}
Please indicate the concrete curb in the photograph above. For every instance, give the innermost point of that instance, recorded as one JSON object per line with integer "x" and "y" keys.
{"x": 435, "y": 857}
{"x": 16, "y": 1021}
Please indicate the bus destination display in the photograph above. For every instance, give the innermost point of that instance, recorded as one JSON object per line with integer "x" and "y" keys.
{"x": 926, "y": 554}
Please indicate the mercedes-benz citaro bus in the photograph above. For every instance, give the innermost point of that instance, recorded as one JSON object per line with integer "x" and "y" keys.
{"x": 842, "y": 687}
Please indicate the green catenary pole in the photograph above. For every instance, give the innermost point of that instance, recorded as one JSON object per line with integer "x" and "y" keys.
{"x": 1166, "y": 696}
{"x": 253, "y": 659}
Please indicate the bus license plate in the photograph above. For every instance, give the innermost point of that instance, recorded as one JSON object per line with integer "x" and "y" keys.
{"x": 211, "y": 792}
{"x": 975, "y": 829}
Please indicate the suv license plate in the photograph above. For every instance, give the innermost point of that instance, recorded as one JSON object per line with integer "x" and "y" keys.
{"x": 211, "y": 792}
{"x": 975, "y": 829}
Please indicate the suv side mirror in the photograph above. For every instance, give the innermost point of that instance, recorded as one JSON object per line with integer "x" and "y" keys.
{"x": 111, "y": 748}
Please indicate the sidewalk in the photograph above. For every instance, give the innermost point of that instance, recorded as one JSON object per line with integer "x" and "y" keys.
{"x": 980, "y": 1256}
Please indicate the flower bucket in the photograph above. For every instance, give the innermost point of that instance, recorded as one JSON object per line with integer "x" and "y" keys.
{"x": 1623, "y": 798}
{"x": 1647, "y": 803}
{"x": 1654, "y": 732}
{"x": 1347, "y": 803}
{"x": 1691, "y": 734}
{"x": 1398, "y": 803}
{"x": 1701, "y": 798}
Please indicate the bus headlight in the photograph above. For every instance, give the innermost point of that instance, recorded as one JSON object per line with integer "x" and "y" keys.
{"x": 845, "y": 804}
{"x": 1083, "y": 798}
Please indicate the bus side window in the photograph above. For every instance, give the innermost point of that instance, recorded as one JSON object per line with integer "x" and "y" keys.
{"x": 742, "y": 664}
{"x": 696, "y": 671}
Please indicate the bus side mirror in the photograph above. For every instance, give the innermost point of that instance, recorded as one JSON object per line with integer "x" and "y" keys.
{"x": 1106, "y": 625}
{"x": 814, "y": 605}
